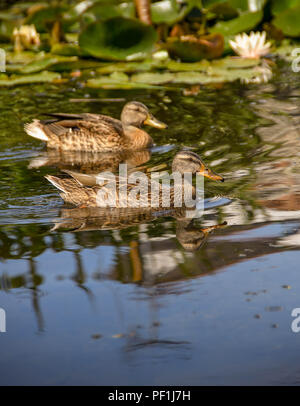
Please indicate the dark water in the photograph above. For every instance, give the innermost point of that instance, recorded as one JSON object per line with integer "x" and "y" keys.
{"x": 154, "y": 300}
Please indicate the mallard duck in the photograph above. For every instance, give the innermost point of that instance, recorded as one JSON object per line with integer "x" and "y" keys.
{"x": 84, "y": 190}
{"x": 96, "y": 132}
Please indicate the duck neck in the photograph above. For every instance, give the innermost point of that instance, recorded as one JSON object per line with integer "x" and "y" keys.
{"x": 136, "y": 138}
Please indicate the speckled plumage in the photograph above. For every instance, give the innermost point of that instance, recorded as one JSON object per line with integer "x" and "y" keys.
{"x": 96, "y": 132}
{"x": 84, "y": 190}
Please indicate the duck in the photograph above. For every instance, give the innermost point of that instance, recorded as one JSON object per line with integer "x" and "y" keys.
{"x": 96, "y": 132}
{"x": 83, "y": 190}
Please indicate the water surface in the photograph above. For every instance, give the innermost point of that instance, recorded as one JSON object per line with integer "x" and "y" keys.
{"x": 156, "y": 301}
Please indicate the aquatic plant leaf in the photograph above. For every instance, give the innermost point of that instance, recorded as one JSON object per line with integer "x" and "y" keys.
{"x": 168, "y": 11}
{"x": 6, "y": 29}
{"x": 246, "y": 5}
{"x": 233, "y": 62}
{"x": 278, "y": 7}
{"x": 41, "y": 77}
{"x": 190, "y": 48}
{"x": 221, "y": 9}
{"x": 245, "y": 22}
{"x": 24, "y": 57}
{"x": 128, "y": 67}
{"x": 187, "y": 67}
{"x": 44, "y": 16}
{"x": 66, "y": 49}
{"x": 118, "y": 39}
{"x": 153, "y": 78}
{"x": 37, "y": 66}
{"x": 108, "y": 83}
{"x": 105, "y": 10}
{"x": 288, "y": 22}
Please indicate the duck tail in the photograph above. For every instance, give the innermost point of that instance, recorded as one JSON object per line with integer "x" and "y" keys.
{"x": 57, "y": 182}
{"x": 35, "y": 129}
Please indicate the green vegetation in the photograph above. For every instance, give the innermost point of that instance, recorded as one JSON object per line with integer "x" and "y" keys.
{"x": 46, "y": 41}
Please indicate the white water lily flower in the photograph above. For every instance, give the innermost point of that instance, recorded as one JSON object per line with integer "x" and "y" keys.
{"x": 251, "y": 46}
{"x": 25, "y": 37}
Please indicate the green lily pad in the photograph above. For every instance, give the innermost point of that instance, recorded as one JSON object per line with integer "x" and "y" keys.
{"x": 42, "y": 77}
{"x": 42, "y": 17}
{"x": 283, "y": 5}
{"x": 66, "y": 49}
{"x": 24, "y": 57}
{"x": 153, "y": 78}
{"x": 244, "y": 23}
{"x": 118, "y": 39}
{"x": 6, "y": 29}
{"x": 288, "y": 22}
{"x": 43, "y": 64}
{"x": 169, "y": 11}
{"x": 187, "y": 67}
{"x": 108, "y": 83}
{"x": 190, "y": 48}
{"x": 105, "y": 10}
{"x": 128, "y": 67}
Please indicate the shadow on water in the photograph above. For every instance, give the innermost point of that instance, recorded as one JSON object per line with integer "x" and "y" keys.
{"x": 137, "y": 299}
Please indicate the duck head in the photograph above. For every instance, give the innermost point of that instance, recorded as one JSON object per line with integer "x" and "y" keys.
{"x": 187, "y": 161}
{"x": 136, "y": 114}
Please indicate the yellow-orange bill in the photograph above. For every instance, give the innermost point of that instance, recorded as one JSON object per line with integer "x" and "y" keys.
{"x": 153, "y": 122}
{"x": 208, "y": 173}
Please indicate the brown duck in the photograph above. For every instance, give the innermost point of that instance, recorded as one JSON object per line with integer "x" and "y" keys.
{"x": 96, "y": 132}
{"x": 83, "y": 190}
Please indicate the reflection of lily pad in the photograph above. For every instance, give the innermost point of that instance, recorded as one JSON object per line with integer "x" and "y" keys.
{"x": 29, "y": 79}
{"x": 118, "y": 39}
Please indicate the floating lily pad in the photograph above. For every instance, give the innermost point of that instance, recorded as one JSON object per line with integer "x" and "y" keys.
{"x": 288, "y": 22}
{"x": 283, "y": 5}
{"x": 66, "y": 49}
{"x": 245, "y": 22}
{"x": 153, "y": 78}
{"x": 6, "y": 29}
{"x": 42, "y": 64}
{"x": 128, "y": 67}
{"x": 169, "y": 11}
{"x": 29, "y": 79}
{"x": 107, "y": 83}
{"x": 185, "y": 66}
{"x": 190, "y": 48}
{"x": 118, "y": 39}
{"x": 105, "y": 10}
{"x": 44, "y": 16}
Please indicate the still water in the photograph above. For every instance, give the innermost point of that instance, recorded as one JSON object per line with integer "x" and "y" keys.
{"x": 155, "y": 300}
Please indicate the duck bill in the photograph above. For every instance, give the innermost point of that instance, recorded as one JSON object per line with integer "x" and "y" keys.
{"x": 153, "y": 122}
{"x": 208, "y": 173}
